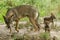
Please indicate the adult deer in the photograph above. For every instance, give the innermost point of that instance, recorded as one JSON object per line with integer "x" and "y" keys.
{"x": 16, "y": 13}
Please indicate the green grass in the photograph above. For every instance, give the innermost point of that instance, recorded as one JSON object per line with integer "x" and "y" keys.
{"x": 2, "y": 12}
{"x": 45, "y": 36}
{"x": 43, "y": 7}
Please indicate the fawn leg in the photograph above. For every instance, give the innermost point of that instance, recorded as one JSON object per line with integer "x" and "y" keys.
{"x": 47, "y": 28}
{"x": 33, "y": 22}
{"x": 53, "y": 24}
{"x": 16, "y": 28}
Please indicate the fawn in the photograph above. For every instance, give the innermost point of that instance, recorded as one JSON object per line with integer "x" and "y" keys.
{"x": 48, "y": 20}
{"x": 18, "y": 12}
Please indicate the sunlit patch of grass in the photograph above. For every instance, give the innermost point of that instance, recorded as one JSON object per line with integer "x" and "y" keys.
{"x": 2, "y": 13}
{"x": 24, "y": 19}
{"x": 45, "y": 36}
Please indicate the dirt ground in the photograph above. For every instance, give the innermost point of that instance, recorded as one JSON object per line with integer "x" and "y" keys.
{"x": 5, "y": 35}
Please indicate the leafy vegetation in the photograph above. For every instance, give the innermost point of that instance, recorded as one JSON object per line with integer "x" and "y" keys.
{"x": 45, "y": 7}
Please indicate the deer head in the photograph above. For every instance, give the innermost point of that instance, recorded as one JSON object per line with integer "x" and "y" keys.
{"x": 6, "y": 21}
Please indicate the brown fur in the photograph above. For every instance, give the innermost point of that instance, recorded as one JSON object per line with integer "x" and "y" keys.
{"x": 48, "y": 20}
{"x": 47, "y": 29}
{"x": 16, "y": 13}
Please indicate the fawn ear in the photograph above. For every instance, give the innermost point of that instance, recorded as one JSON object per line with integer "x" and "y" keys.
{"x": 52, "y": 14}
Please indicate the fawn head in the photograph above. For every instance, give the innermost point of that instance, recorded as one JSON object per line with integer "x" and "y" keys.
{"x": 53, "y": 16}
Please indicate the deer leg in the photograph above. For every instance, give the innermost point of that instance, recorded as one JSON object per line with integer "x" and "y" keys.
{"x": 33, "y": 22}
{"x": 10, "y": 29}
{"x": 16, "y": 28}
{"x": 9, "y": 26}
{"x": 36, "y": 22}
